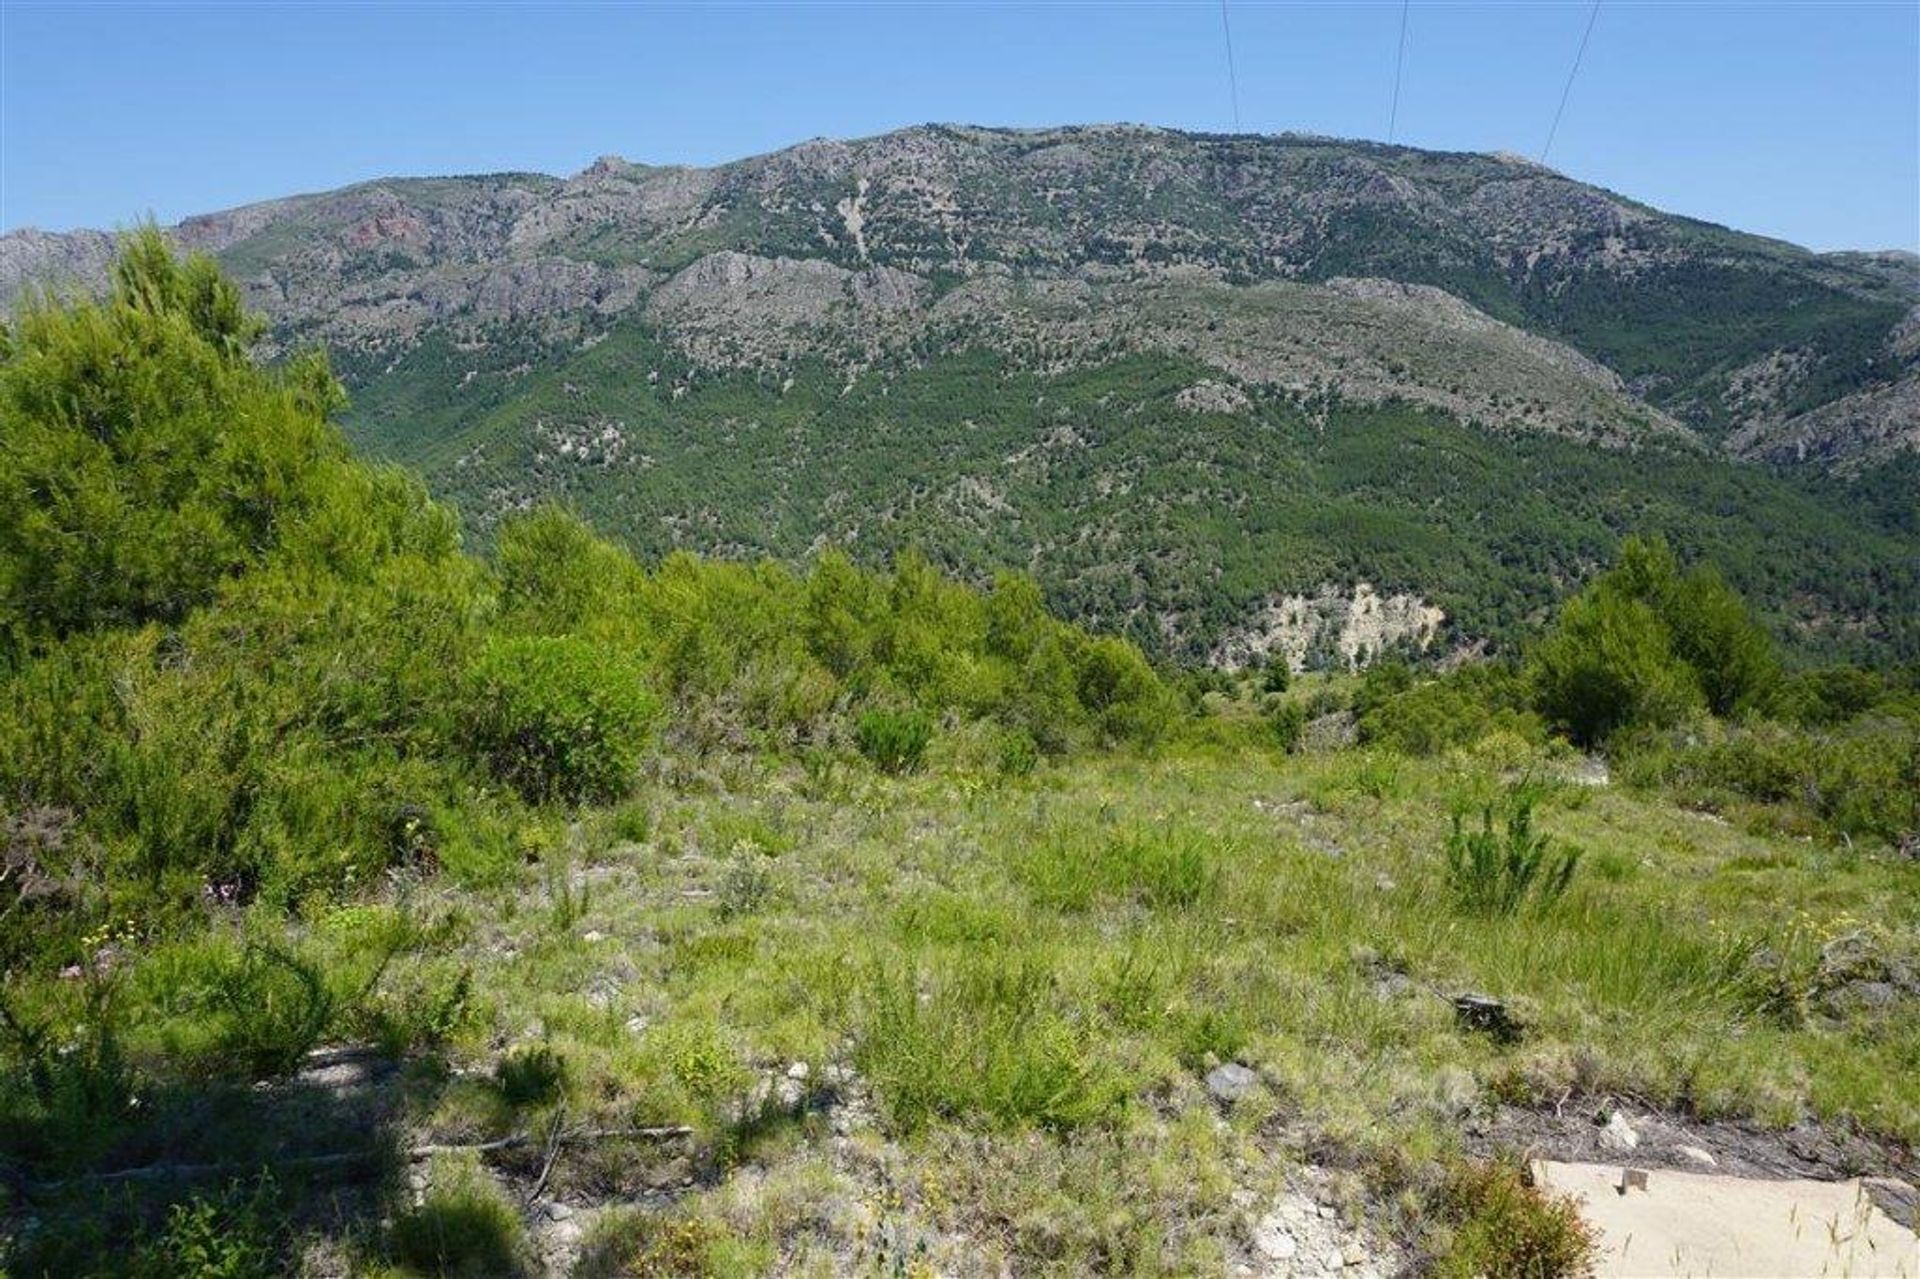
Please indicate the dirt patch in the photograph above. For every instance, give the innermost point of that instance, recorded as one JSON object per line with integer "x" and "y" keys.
{"x": 1593, "y": 1130}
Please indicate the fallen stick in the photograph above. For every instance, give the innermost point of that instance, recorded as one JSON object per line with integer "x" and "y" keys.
{"x": 413, "y": 1154}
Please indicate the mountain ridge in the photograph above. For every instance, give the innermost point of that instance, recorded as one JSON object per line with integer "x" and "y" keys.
{"x": 599, "y": 338}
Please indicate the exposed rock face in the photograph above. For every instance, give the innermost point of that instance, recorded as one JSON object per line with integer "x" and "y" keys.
{"x": 1306, "y": 264}
{"x": 737, "y": 310}
{"x": 31, "y": 258}
{"x": 1209, "y": 396}
{"x": 1333, "y": 627}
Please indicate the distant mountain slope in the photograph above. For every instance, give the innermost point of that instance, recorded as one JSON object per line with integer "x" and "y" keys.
{"x": 858, "y": 315}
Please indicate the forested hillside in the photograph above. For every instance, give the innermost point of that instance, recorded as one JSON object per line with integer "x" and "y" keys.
{"x": 1184, "y": 380}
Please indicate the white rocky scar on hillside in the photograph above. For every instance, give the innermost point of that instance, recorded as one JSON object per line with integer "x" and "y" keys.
{"x": 1333, "y": 626}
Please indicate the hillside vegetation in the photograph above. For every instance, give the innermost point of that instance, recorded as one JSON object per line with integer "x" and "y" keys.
{"x": 367, "y": 906}
{"x": 1179, "y": 378}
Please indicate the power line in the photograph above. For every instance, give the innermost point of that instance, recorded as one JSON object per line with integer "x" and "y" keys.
{"x": 1565, "y": 93}
{"x": 1233, "y": 81}
{"x": 1399, "y": 64}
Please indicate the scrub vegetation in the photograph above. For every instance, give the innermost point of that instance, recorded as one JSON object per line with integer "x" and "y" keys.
{"x": 370, "y": 906}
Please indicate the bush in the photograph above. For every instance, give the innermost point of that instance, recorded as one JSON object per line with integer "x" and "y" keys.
{"x": 1453, "y": 710}
{"x": 1608, "y": 665}
{"x": 235, "y": 1235}
{"x": 558, "y": 718}
{"x": 1502, "y": 1226}
{"x": 1862, "y": 780}
{"x": 464, "y": 1228}
{"x": 1643, "y": 644}
{"x": 894, "y": 740}
{"x": 530, "y": 1076}
{"x": 1288, "y": 720}
{"x": 1497, "y": 874}
{"x": 1120, "y": 692}
{"x": 987, "y": 1041}
{"x": 1019, "y": 755}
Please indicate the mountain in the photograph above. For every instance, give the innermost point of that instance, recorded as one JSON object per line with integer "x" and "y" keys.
{"x": 1201, "y": 385}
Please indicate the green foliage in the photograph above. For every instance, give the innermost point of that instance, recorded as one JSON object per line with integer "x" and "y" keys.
{"x": 1126, "y": 701}
{"x": 1644, "y": 643}
{"x": 530, "y": 1076}
{"x": 559, "y": 718}
{"x": 1859, "y": 780}
{"x": 989, "y": 1041}
{"x": 895, "y": 740}
{"x": 1497, "y": 874}
{"x": 233, "y": 1235}
{"x": 1500, "y": 1225}
{"x": 1490, "y": 526}
{"x": 1456, "y": 709}
{"x": 1287, "y": 719}
{"x": 1276, "y": 676}
{"x": 1609, "y": 664}
{"x": 148, "y": 461}
{"x": 1072, "y": 870}
{"x": 464, "y": 1229}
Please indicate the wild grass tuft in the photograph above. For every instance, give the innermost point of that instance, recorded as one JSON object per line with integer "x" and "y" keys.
{"x": 988, "y": 1040}
{"x": 1498, "y": 873}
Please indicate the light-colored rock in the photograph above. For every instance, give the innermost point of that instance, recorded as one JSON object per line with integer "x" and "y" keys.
{"x": 1618, "y": 1134}
{"x": 1347, "y": 627}
{"x": 1231, "y": 1082}
{"x": 1273, "y": 1240}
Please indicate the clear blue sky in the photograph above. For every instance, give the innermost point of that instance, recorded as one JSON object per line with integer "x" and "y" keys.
{"x": 1800, "y": 120}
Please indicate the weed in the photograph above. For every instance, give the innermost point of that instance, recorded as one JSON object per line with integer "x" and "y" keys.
{"x": 1071, "y": 871}
{"x": 531, "y": 1076}
{"x": 631, "y": 823}
{"x": 235, "y": 1235}
{"x": 747, "y": 884}
{"x": 1497, "y": 874}
{"x": 642, "y": 1244}
{"x": 465, "y": 1227}
{"x": 989, "y": 1041}
{"x": 896, "y": 741}
{"x": 1502, "y": 1226}
{"x": 566, "y": 904}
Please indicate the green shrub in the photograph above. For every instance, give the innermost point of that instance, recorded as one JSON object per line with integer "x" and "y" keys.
{"x": 989, "y": 1041}
{"x": 1120, "y": 693}
{"x": 1456, "y": 709}
{"x": 631, "y": 823}
{"x": 465, "y": 1228}
{"x": 894, "y": 740}
{"x": 1276, "y": 676}
{"x": 1497, "y": 874}
{"x": 530, "y": 1076}
{"x": 1644, "y": 644}
{"x": 1072, "y": 871}
{"x": 558, "y": 718}
{"x": 1288, "y": 721}
{"x": 235, "y": 1235}
{"x": 1858, "y": 781}
{"x": 1019, "y": 753}
{"x": 1607, "y": 665}
{"x": 1499, "y": 1225}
